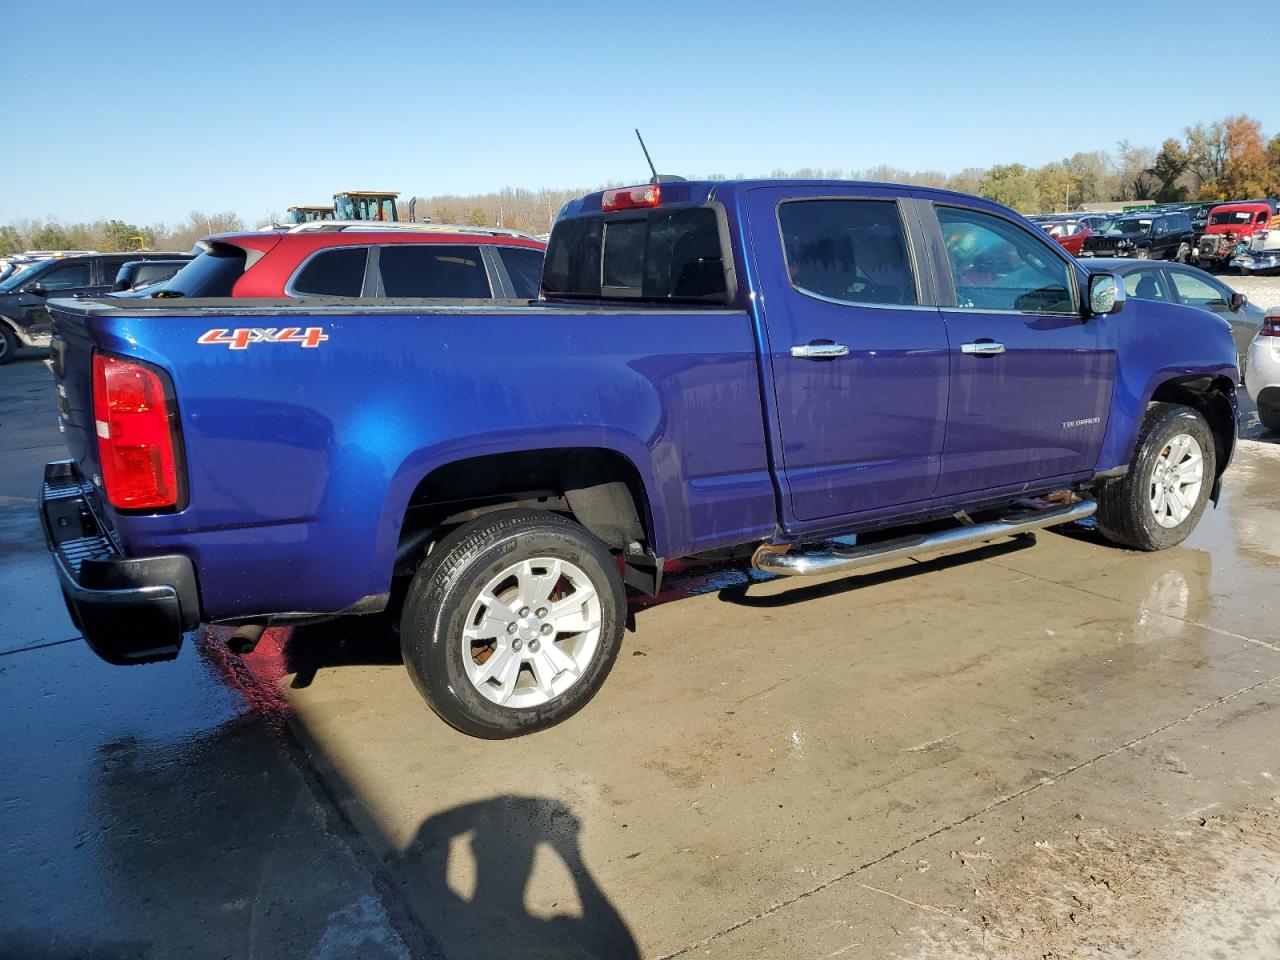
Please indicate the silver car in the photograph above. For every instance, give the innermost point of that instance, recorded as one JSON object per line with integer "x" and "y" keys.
{"x": 1262, "y": 370}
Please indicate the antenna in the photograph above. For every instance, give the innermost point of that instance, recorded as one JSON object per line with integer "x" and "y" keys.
{"x": 648, "y": 159}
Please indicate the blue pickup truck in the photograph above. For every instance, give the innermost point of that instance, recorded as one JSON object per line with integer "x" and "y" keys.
{"x": 745, "y": 369}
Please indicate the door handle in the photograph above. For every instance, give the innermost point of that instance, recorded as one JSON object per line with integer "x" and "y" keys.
{"x": 819, "y": 350}
{"x": 983, "y": 348}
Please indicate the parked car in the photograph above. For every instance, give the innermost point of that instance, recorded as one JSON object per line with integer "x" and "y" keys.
{"x": 1262, "y": 371}
{"x": 1178, "y": 283}
{"x": 24, "y": 313}
{"x": 1261, "y": 256}
{"x": 339, "y": 259}
{"x": 1199, "y": 214}
{"x": 507, "y": 468}
{"x": 1158, "y": 236}
{"x": 1230, "y": 227}
{"x": 1070, "y": 234}
{"x": 141, "y": 274}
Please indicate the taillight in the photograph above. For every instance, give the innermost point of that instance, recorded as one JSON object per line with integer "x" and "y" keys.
{"x": 1270, "y": 327}
{"x": 631, "y": 198}
{"x": 136, "y": 442}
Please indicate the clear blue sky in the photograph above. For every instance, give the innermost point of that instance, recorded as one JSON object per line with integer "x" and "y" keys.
{"x": 250, "y": 107}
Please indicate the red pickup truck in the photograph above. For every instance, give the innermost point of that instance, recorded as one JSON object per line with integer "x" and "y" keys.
{"x": 1229, "y": 225}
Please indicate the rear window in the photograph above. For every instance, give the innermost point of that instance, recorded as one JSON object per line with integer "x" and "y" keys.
{"x": 212, "y": 274}
{"x": 652, "y": 255}
{"x": 433, "y": 270}
{"x": 333, "y": 273}
{"x": 524, "y": 267}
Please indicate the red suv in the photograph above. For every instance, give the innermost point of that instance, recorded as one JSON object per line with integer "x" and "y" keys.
{"x": 327, "y": 259}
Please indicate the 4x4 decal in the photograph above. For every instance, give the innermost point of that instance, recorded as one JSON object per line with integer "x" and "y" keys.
{"x": 240, "y": 338}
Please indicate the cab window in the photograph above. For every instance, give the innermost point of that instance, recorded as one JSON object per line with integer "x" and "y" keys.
{"x": 853, "y": 251}
{"x": 998, "y": 265}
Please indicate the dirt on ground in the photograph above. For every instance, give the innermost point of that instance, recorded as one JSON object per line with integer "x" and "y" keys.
{"x": 1211, "y": 890}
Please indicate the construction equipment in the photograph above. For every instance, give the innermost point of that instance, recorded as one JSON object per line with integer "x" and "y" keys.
{"x": 366, "y": 205}
{"x": 310, "y": 213}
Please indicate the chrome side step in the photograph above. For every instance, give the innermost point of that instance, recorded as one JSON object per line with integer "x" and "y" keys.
{"x": 832, "y": 559}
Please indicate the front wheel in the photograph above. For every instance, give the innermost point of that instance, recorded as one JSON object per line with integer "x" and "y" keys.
{"x": 1183, "y": 254}
{"x": 1161, "y": 499}
{"x": 1144, "y": 254}
{"x": 512, "y": 623}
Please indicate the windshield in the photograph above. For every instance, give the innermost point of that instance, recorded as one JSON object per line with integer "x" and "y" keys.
{"x": 1236, "y": 217}
{"x": 1116, "y": 227}
{"x": 22, "y": 276}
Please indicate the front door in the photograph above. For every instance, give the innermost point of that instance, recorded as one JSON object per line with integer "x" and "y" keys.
{"x": 1031, "y": 380}
{"x": 859, "y": 361}
{"x": 64, "y": 280}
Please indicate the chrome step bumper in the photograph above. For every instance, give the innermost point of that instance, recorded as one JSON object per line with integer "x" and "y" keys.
{"x": 834, "y": 559}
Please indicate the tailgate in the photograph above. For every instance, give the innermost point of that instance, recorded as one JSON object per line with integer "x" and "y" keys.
{"x": 72, "y": 360}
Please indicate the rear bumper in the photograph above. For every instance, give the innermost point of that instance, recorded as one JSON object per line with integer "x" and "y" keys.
{"x": 130, "y": 610}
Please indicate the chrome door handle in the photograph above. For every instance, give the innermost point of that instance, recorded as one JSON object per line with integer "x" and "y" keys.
{"x": 983, "y": 348}
{"x": 819, "y": 350}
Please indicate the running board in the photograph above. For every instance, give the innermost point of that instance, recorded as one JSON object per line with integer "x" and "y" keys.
{"x": 833, "y": 559}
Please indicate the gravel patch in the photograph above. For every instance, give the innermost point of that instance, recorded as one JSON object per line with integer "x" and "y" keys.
{"x": 1264, "y": 291}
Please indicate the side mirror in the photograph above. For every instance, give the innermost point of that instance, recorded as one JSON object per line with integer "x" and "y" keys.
{"x": 36, "y": 289}
{"x": 1106, "y": 294}
{"x": 1238, "y": 300}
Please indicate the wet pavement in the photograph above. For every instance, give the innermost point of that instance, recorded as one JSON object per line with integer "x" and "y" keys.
{"x": 1057, "y": 750}
{"x": 150, "y": 812}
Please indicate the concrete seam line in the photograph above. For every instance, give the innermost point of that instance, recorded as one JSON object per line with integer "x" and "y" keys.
{"x": 39, "y": 646}
{"x": 1044, "y": 781}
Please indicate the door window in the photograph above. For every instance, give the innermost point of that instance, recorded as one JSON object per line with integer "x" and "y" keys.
{"x": 69, "y": 276}
{"x": 524, "y": 267}
{"x": 998, "y": 265}
{"x": 433, "y": 270}
{"x": 1197, "y": 292}
{"x": 333, "y": 273}
{"x": 1146, "y": 285}
{"x": 853, "y": 251}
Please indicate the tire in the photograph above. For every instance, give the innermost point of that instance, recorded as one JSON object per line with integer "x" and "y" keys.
{"x": 8, "y": 344}
{"x": 1128, "y": 505}
{"x": 545, "y": 669}
{"x": 1270, "y": 417}
{"x": 1143, "y": 254}
{"x": 1183, "y": 254}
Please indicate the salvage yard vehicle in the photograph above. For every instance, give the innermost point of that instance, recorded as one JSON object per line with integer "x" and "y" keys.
{"x": 24, "y": 312}
{"x": 1180, "y": 283}
{"x": 329, "y": 259}
{"x": 1262, "y": 255}
{"x": 1262, "y": 370}
{"x": 744, "y": 369}
{"x": 1156, "y": 236}
{"x": 140, "y": 274}
{"x": 1069, "y": 234}
{"x": 1230, "y": 227}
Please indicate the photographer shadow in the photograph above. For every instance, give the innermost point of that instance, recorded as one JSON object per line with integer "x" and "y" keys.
{"x": 503, "y": 835}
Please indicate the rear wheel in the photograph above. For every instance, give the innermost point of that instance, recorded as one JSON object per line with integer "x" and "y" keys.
{"x": 8, "y": 344}
{"x": 1161, "y": 499}
{"x": 512, "y": 623}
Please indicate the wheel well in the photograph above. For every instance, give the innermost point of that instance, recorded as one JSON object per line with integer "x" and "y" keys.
{"x": 600, "y": 489}
{"x": 1269, "y": 397}
{"x": 1213, "y": 397}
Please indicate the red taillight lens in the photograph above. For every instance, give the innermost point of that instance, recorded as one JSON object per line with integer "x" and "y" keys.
{"x": 1270, "y": 327}
{"x": 136, "y": 443}
{"x": 631, "y": 198}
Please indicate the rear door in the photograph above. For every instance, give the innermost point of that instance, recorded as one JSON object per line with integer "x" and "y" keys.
{"x": 858, "y": 355}
{"x": 1031, "y": 380}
